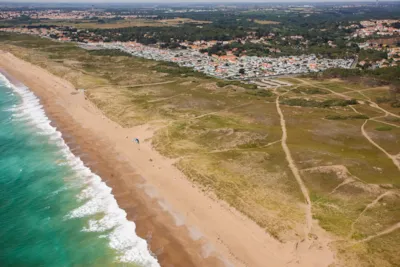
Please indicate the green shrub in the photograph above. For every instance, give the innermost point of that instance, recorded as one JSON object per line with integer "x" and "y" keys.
{"x": 261, "y": 92}
{"x": 318, "y": 104}
{"x": 174, "y": 69}
{"x": 223, "y": 83}
{"x": 383, "y": 99}
{"x": 395, "y": 104}
{"x": 350, "y": 117}
{"x": 309, "y": 91}
{"x": 109, "y": 52}
{"x": 359, "y": 116}
{"x": 383, "y": 128}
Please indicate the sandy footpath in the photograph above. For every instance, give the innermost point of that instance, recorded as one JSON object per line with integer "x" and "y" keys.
{"x": 184, "y": 227}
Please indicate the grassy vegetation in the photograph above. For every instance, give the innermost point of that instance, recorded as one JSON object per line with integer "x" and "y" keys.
{"x": 222, "y": 83}
{"x": 109, "y": 52}
{"x": 228, "y": 141}
{"x": 114, "y": 24}
{"x": 301, "y": 102}
{"x": 266, "y": 22}
{"x": 309, "y": 91}
{"x": 173, "y": 69}
{"x": 384, "y": 128}
{"x": 348, "y": 117}
{"x": 261, "y": 93}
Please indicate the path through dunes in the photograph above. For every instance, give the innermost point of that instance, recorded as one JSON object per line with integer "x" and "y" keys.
{"x": 294, "y": 169}
{"x": 394, "y": 158}
{"x": 277, "y": 169}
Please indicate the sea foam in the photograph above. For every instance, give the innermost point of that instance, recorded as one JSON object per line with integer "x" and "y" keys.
{"x": 96, "y": 196}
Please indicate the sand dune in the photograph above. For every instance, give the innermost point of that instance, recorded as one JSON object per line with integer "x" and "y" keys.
{"x": 184, "y": 226}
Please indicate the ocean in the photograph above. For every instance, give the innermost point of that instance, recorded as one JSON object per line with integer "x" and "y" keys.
{"x": 53, "y": 210}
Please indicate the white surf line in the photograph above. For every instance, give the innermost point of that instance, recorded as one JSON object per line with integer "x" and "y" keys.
{"x": 384, "y": 232}
{"x": 365, "y": 134}
{"x": 294, "y": 168}
{"x": 370, "y": 205}
{"x": 96, "y": 196}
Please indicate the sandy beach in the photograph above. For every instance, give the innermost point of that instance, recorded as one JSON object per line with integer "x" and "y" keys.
{"x": 183, "y": 225}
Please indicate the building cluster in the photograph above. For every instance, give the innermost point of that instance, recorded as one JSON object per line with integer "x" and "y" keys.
{"x": 388, "y": 45}
{"x": 226, "y": 67}
{"x": 55, "y": 14}
{"x": 8, "y": 15}
{"x": 64, "y": 33}
{"x": 240, "y": 68}
{"x": 376, "y": 28}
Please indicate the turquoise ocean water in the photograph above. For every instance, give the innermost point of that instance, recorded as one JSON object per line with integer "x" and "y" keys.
{"x": 53, "y": 210}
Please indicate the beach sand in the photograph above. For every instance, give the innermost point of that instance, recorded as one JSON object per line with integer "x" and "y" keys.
{"x": 183, "y": 225}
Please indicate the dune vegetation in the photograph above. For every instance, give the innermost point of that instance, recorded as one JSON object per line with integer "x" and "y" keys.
{"x": 233, "y": 141}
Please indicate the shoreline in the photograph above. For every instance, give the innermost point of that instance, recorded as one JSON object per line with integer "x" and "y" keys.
{"x": 183, "y": 226}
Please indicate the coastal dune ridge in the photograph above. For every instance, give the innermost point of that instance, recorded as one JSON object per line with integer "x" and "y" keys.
{"x": 183, "y": 225}
{"x": 96, "y": 196}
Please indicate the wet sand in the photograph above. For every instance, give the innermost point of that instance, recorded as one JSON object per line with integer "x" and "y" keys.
{"x": 183, "y": 226}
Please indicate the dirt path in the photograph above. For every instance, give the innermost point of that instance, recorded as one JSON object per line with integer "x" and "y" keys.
{"x": 240, "y": 149}
{"x": 392, "y": 157}
{"x": 384, "y": 232}
{"x": 370, "y": 205}
{"x": 388, "y": 123}
{"x": 142, "y": 85}
{"x": 294, "y": 169}
{"x": 201, "y": 116}
{"x": 324, "y": 88}
{"x": 164, "y": 98}
{"x": 374, "y": 105}
{"x": 363, "y": 131}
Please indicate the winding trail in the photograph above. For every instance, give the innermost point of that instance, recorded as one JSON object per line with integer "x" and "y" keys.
{"x": 381, "y": 233}
{"x": 240, "y": 149}
{"x": 363, "y": 131}
{"x": 294, "y": 169}
{"x": 384, "y": 122}
{"x": 164, "y": 98}
{"x": 324, "y": 88}
{"x": 374, "y": 105}
{"x": 365, "y": 134}
{"x": 369, "y": 206}
{"x": 142, "y": 85}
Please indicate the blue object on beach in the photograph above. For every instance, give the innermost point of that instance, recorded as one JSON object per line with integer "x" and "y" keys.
{"x": 136, "y": 140}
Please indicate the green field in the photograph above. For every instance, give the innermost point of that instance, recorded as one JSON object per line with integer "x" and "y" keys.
{"x": 227, "y": 139}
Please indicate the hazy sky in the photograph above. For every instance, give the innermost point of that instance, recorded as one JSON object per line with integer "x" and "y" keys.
{"x": 175, "y": 1}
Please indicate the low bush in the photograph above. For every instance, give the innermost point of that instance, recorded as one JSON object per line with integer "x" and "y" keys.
{"x": 262, "y": 93}
{"x": 318, "y": 104}
{"x": 383, "y": 128}
{"x": 349, "y": 117}
{"x": 236, "y": 83}
{"x": 109, "y": 52}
